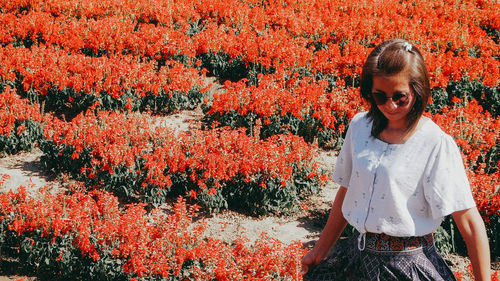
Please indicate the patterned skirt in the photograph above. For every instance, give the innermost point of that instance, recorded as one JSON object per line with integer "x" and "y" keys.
{"x": 383, "y": 258}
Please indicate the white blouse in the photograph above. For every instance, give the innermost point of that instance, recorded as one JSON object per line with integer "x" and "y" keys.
{"x": 400, "y": 189}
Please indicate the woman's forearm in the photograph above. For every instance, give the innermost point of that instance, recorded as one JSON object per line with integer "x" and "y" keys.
{"x": 473, "y": 231}
{"x": 334, "y": 226}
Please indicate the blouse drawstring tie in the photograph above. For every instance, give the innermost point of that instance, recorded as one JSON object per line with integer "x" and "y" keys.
{"x": 361, "y": 239}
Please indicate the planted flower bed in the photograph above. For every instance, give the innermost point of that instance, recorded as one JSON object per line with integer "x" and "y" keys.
{"x": 20, "y": 123}
{"x": 82, "y": 236}
{"x": 70, "y": 84}
{"x": 133, "y": 158}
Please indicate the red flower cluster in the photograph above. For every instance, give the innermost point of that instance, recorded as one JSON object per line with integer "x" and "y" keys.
{"x": 476, "y": 133}
{"x": 473, "y": 128}
{"x": 15, "y": 109}
{"x": 44, "y": 68}
{"x": 460, "y": 275}
{"x": 116, "y": 139}
{"x": 274, "y": 98}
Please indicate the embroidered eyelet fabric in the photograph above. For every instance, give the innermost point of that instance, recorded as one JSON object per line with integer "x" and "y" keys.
{"x": 400, "y": 189}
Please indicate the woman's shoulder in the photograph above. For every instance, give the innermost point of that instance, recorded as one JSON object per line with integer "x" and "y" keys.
{"x": 360, "y": 118}
{"x": 360, "y": 115}
{"x": 432, "y": 128}
{"x": 360, "y": 123}
{"x": 433, "y": 134}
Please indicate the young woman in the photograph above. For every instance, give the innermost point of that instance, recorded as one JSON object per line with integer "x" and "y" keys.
{"x": 400, "y": 175}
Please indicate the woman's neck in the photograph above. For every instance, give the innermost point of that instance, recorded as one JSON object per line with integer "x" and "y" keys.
{"x": 399, "y": 125}
{"x": 398, "y": 132}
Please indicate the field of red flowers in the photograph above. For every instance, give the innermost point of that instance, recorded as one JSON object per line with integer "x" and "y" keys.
{"x": 88, "y": 82}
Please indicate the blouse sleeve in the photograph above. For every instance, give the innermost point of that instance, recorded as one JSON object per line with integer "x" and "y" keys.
{"x": 343, "y": 166}
{"x": 446, "y": 185}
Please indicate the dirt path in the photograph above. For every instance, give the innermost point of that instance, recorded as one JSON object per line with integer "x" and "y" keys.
{"x": 25, "y": 169}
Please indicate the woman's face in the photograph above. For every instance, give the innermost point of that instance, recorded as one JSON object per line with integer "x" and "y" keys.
{"x": 394, "y": 97}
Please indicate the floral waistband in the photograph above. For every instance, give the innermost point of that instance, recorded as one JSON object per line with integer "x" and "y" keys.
{"x": 386, "y": 243}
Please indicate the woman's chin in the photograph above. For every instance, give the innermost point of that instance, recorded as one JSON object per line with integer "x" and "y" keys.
{"x": 393, "y": 116}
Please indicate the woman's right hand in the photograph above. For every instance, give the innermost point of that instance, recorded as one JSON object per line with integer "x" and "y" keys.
{"x": 333, "y": 228}
{"x": 310, "y": 260}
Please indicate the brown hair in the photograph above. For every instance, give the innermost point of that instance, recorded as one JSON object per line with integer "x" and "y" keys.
{"x": 390, "y": 58}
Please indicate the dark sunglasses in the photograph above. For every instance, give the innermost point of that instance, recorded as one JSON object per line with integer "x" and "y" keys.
{"x": 399, "y": 98}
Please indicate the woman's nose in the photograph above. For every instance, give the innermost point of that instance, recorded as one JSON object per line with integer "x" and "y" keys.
{"x": 390, "y": 104}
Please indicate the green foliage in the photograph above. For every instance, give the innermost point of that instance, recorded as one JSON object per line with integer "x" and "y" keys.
{"x": 231, "y": 118}
{"x": 487, "y": 97}
{"x": 490, "y": 159}
{"x": 449, "y": 240}
{"x": 166, "y": 103}
{"x": 443, "y": 241}
{"x": 492, "y": 32}
{"x": 493, "y": 230}
{"x": 67, "y": 103}
{"x": 124, "y": 182}
{"x": 25, "y": 141}
{"x": 58, "y": 158}
{"x": 308, "y": 128}
{"x": 273, "y": 198}
{"x": 57, "y": 258}
{"x": 440, "y": 99}
{"x": 222, "y": 66}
